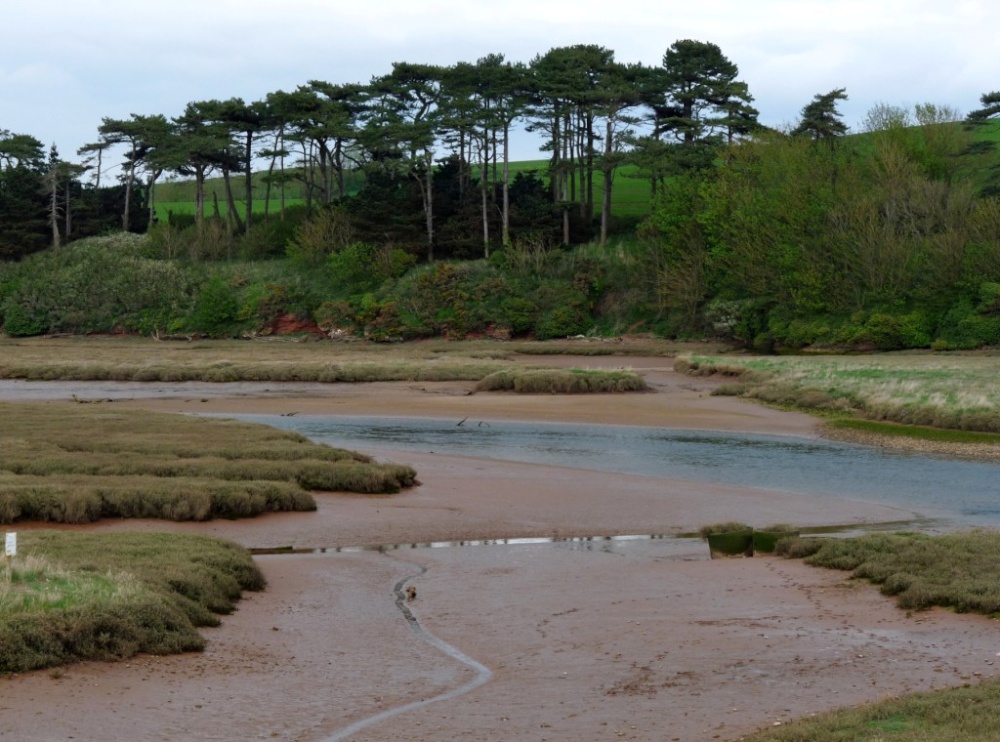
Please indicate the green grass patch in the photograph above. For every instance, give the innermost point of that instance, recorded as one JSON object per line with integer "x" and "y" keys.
{"x": 960, "y": 571}
{"x": 68, "y": 597}
{"x": 956, "y": 392}
{"x": 70, "y": 463}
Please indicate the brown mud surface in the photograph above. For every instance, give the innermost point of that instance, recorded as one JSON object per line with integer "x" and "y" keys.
{"x": 584, "y": 640}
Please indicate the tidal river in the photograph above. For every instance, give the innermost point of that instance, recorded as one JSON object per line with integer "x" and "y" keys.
{"x": 964, "y": 493}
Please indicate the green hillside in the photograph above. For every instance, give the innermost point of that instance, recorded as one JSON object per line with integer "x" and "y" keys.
{"x": 630, "y": 192}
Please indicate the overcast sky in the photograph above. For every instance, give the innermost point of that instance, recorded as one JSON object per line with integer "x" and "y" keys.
{"x": 65, "y": 64}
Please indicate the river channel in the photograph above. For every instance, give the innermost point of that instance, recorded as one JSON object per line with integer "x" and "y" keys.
{"x": 958, "y": 492}
{"x": 954, "y": 492}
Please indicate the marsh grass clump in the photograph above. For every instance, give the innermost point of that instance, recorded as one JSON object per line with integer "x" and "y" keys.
{"x": 725, "y": 527}
{"x": 958, "y": 570}
{"x": 72, "y": 596}
{"x": 555, "y": 381}
{"x": 798, "y": 547}
{"x": 68, "y": 463}
{"x": 967, "y": 714}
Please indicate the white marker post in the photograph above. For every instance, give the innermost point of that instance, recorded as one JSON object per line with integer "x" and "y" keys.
{"x": 11, "y": 545}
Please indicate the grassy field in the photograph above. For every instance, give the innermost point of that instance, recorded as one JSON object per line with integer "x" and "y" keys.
{"x": 68, "y": 597}
{"x": 73, "y": 463}
{"x": 941, "y": 390}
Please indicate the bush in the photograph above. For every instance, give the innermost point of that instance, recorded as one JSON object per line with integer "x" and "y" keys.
{"x": 564, "y": 321}
{"x": 966, "y": 327}
{"x": 361, "y": 267}
{"x": 328, "y": 231}
{"x": 100, "y": 284}
{"x": 895, "y": 332}
{"x": 216, "y": 310}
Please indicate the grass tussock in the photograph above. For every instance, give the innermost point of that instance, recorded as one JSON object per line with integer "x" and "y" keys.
{"x": 68, "y": 597}
{"x": 955, "y": 392}
{"x": 68, "y": 463}
{"x": 554, "y": 381}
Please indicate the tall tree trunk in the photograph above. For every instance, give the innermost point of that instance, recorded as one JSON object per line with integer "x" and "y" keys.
{"x": 97, "y": 180}
{"x": 283, "y": 181}
{"x": 199, "y": 195}
{"x": 267, "y": 188}
{"x": 462, "y": 168}
{"x": 589, "y": 169}
{"x": 151, "y": 190}
{"x": 486, "y": 222}
{"x": 609, "y": 175}
{"x": 129, "y": 180}
{"x": 338, "y": 165}
{"x": 248, "y": 180}
{"x": 308, "y": 176}
{"x": 569, "y": 157}
{"x": 233, "y": 216}
{"x": 430, "y": 209}
{"x": 555, "y": 183}
{"x": 426, "y": 185}
{"x": 54, "y": 206}
{"x": 68, "y": 223}
{"x": 506, "y": 183}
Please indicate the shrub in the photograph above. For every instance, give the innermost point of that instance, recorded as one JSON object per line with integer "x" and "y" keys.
{"x": 564, "y": 321}
{"x": 361, "y": 267}
{"x": 895, "y": 332}
{"x": 966, "y": 327}
{"x": 216, "y": 310}
{"x": 315, "y": 239}
{"x": 96, "y": 285}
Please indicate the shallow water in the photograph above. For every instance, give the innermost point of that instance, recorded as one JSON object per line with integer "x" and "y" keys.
{"x": 963, "y": 492}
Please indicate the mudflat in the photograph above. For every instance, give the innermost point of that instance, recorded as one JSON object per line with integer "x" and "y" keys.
{"x": 589, "y": 638}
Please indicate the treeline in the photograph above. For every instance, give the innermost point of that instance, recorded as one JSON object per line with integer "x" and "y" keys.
{"x": 591, "y": 112}
{"x": 43, "y": 202}
{"x": 780, "y": 240}
{"x": 889, "y": 241}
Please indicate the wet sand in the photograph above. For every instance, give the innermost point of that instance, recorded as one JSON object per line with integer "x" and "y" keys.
{"x": 637, "y": 640}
